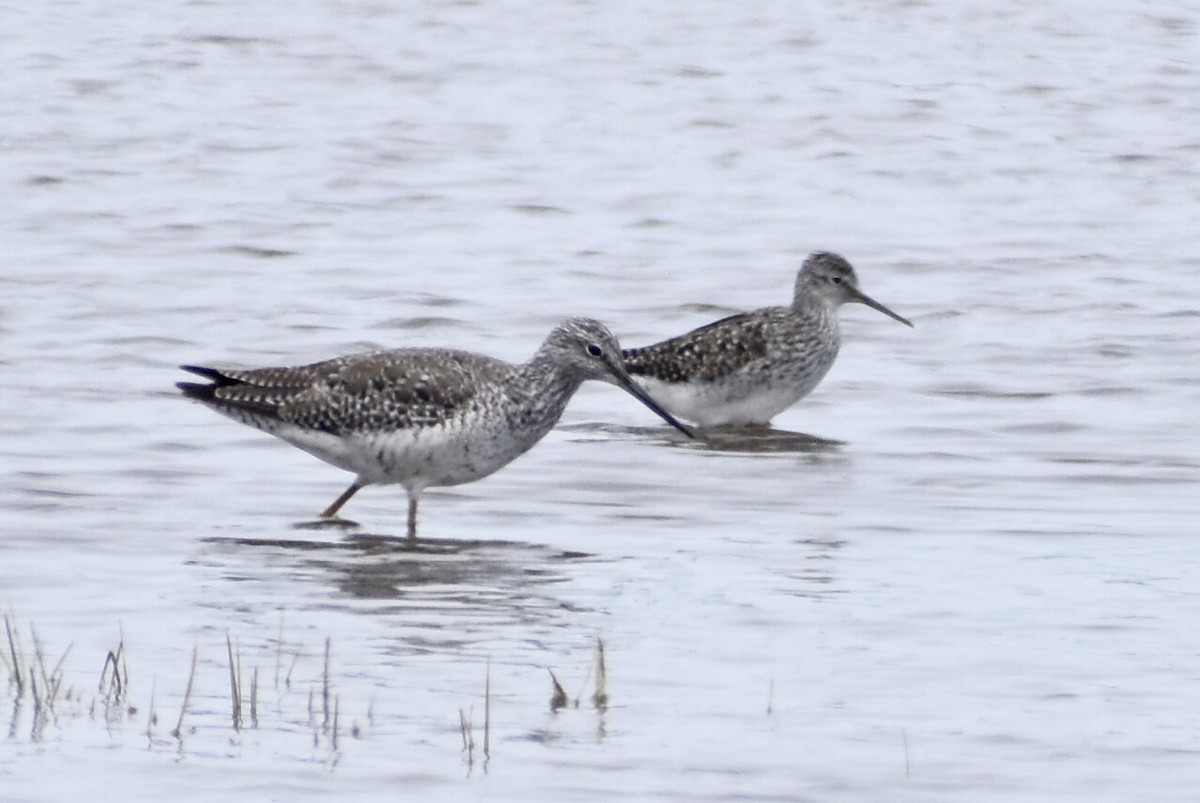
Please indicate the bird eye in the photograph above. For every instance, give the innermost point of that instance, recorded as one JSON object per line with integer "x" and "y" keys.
{"x": 594, "y": 350}
{"x": 835, "y": 279}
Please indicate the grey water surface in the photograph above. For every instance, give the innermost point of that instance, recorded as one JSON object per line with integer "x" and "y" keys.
{"x": 964, "y": 569}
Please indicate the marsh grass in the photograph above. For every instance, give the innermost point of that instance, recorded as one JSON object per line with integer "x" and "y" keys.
{"x": 487, "y": 712}
{"x": 177, "y": 732}
{"x": 114, "y": 677}
{"x": 600, "y": 696}
{"x": 235, "y": 681}
{"x": 237, "y": 697}
{"x": 466, "y": 725}
{"x": 37, "y": 686}
{"x": 12, "y": 659}
{"x": 597, "y": 669}
{"x": 468, "y": 734}
{"x": 31, "y": 677}
{"x": 558, "y": 698}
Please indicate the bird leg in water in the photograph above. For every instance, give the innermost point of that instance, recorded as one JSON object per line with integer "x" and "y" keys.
{"x": 412, "y": 517}
{"x": 332, "y": 510}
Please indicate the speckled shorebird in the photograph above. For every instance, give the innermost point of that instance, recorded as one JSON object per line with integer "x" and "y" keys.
{"x": 420, "y": 417}
{"x": 747, "y": 368}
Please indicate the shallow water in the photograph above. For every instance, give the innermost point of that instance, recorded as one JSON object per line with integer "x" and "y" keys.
{"x": 984, "y": 587}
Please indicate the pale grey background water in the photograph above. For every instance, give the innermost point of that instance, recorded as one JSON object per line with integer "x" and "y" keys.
{"x": 988, "y": 593}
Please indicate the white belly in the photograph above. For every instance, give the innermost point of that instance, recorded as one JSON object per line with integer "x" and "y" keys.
{"x": 415, "y": 458}
{"x": 729, "y": 402}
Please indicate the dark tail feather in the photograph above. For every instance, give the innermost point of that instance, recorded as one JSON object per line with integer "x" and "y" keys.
{"x": 204, "y": 393}
{"x": 250, "y": 402}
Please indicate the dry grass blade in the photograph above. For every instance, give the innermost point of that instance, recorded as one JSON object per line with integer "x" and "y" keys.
{"x": 279, "y": 653}
{"x": 54, "y": 680}
{"x": 312, "y": 719}
{"x": 254, "y": 699}
{"x": 333, "y": 739}
{"x": 468, "y": 734}
{"x": 57, "y": 672}
{"x": 235, "y": 671}
{"x": 600, "y": 698}
{"x": 37, "y": 669}
{"x": 15, "y": 662}
{"x": 325, "y": 688}
{"x": 46, "y": 693}
{"x": 487, "y": 711}
{"x": 558, "y": 699}
{"x": 287, "y": 681}
{"x": 907, "y": 766}
{"x": 152, "y": 716}
{"x": 112, "y": 685}
{"x": 187, "y": 696}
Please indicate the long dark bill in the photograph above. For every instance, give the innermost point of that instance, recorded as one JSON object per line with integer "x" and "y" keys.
{"x": 624, "y": 381}
{"x": 863, "y": 298}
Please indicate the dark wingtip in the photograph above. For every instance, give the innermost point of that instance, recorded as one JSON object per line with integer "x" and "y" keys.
{"x": 196, "y": 391}
{"x": 231, "y": 400}
{"x": 207, "y": 373}
{"x": 205, "y": 393}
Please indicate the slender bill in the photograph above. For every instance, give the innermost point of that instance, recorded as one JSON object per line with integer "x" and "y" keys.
{"x": 863, "y": 298}
{"x": 622, "y": 379}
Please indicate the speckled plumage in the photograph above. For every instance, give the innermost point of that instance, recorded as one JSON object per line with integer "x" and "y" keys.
{"x": 419, "y": 417}
{"x": 747, "y": 368}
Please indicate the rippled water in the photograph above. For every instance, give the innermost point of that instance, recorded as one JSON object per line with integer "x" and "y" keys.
{"x": 983, "y": 587}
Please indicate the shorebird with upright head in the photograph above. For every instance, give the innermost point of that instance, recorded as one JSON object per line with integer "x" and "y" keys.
{"x": 419, "y": 417}
{"x": 748, "y": 368}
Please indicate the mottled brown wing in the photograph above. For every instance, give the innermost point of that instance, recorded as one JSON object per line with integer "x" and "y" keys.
{"x": 377, "y": 391}
{"x": 713, "y": 351}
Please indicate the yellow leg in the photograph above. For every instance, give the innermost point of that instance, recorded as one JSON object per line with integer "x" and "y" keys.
{"x": 332, "y": 510}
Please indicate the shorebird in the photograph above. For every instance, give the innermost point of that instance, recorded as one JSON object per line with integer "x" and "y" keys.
{"x": 748, "y": 368}
{"x": 420, "y": 417}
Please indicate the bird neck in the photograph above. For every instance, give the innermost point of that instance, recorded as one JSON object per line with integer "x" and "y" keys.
{"x": 810, "y": 304}
{"x": 544, "y": 388}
